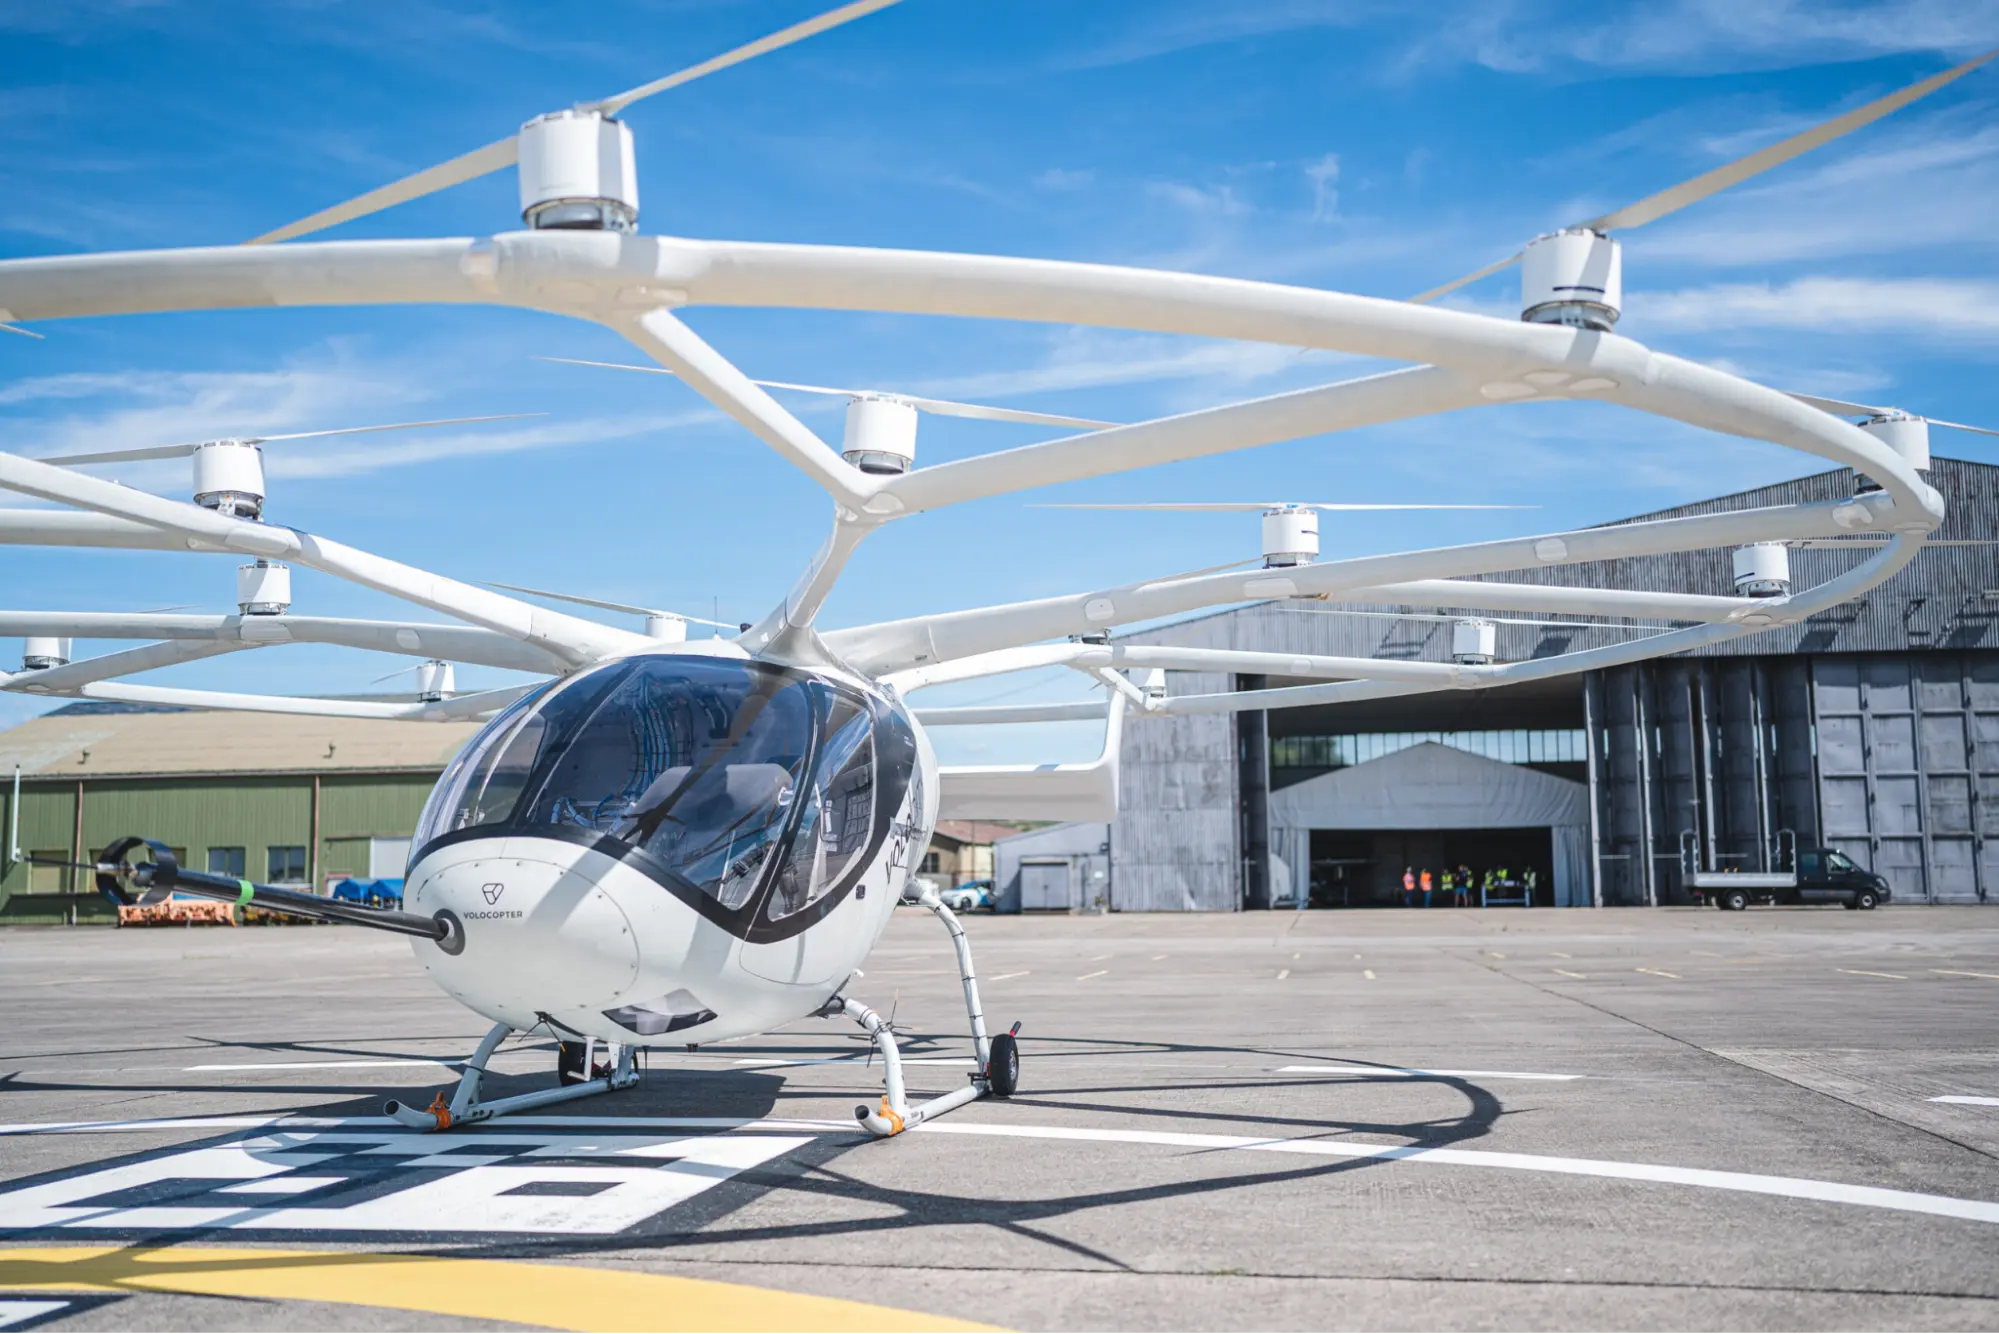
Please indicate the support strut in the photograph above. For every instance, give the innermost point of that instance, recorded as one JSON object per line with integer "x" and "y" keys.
{"x": 464, "y": 1108}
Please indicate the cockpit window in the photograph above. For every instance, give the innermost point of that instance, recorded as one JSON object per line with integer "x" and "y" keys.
{"x": 729, "y": 775}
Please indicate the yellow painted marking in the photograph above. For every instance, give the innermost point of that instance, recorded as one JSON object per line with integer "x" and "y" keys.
{"x": 1863, "y": 972}
{"x": 556, "y": 1296}
{"x": 1367, "y": 973}
{"x": 1660, "y": 972}
{"x": 1283, "y": 973}
{"x": 1959, "y": 972}
{"x": 1087, "y": 976}
{"x": 1566, "y": 973}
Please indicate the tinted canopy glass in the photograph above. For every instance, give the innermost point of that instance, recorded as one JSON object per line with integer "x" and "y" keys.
{"x": 729, "y": 776}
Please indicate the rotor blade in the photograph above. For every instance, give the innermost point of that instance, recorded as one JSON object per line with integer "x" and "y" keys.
{"x": 661, "y": 370}
{"x": 797, "y": 32}
{"x": 1674, "y": 198}
{"x": 944, "y": 407}
{"x": 182, "y": 451}
{"x": 1469, "y": 616}
{"x": 609, "y": 606}
{"x": 123, "y": 455}
{"x": 1244, "y": 506}
{"x": 466, "y": 167}
{"x": 400, "y": 671}
{"x": 1960, "y": 426}
{"x": 1839, "y": 407}
{"x": 392, "y": 426}
{"x": 1825, "y": 543}
{"x": 1470, "y": 278}
{"x": 17, "y": 329}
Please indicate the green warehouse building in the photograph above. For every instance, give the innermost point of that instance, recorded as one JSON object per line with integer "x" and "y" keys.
{"x": 271, "y": 797}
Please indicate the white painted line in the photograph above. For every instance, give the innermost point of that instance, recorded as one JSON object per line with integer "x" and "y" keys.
{"x": 1157, "y": 957}
{"x": 1659, "y": 972}
{"x": 1406, "y": 1072}
{"x": 1959, "y": 972}
{"x": 279, "y": 1185}
{"x": 1862, "y": 972}
{"x": 1008, "y": 977}
{"x": 1367, "y": 973}
{"x": 1296, "y": 957}
{"x": 318, "y": 1065}
{"x": 13, "y": 1312}
{"x": 1559, "y": 955}
{"x": 1495, "y": 954}
{"x": 1283, "y": 973}
{"x": 1967, "y": 1100}
{"x": 773, "y": 1062}
{"x": 1087, "y": 976}
{"x": 1099, "y": 958}
{"x": 1580, "y": 977}
{"x": 1800, "y": 1188}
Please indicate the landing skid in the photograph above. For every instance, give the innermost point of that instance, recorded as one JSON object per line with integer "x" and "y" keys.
{"x": 464, "y": 1107}
{"x": 895, "y": 1114}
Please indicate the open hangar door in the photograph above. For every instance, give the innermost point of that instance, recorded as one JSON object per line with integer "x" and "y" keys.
{"x": 1345, "y": 836}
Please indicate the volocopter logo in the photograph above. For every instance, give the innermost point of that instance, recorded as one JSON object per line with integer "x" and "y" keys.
{"x": 492, "y": 892}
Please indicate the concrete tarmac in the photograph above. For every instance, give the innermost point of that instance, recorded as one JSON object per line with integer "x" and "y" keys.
{"x": 1459, "y": 1119}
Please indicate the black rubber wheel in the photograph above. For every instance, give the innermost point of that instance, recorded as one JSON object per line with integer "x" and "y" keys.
{"x": 1865, "y": 900}
{"x": 1003, "y": 1066}
{"x": 569, "y": 1058}
{"x": 1735, "y": 901}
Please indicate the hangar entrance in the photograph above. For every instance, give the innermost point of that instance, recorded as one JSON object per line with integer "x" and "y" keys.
{"x": 1363, "y": 868}
{"x": 1343, "y": 838}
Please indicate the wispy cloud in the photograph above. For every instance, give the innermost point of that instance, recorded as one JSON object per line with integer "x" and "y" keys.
{"x": 1088, "y": 359}
{"x": 1950, "y": 308}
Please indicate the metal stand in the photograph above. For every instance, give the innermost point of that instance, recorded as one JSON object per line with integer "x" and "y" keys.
{"x": 895, "y": 1114}
{"x": 464, "y": 1107}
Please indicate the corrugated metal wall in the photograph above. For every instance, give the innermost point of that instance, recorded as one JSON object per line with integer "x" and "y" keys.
{"x": 1175, "y": 844}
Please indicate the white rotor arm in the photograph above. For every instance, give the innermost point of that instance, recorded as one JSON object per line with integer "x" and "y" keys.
{"x": 575, "y": 640}
{"x": 1898, "y": 553}
{"x": 981, "y": 715}
{"x": 661, "y": 335}
{"x": 896, "y": 645}
{"x": 1395, "y": 396}
{"x": 996, "y": 663}
{"x": 1488, "y": 596}
{"x": 1038, "y": 792}
{"x": 462, "y": 708}
{"x": 451, "y": 643}
{"x": 67, "y": 528}
{"x": 72, "y": 676}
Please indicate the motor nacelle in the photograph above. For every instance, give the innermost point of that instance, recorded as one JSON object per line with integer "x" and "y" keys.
{"x": 665, "y": 628}
{"x": 1763, "y": 570}
{"x": 881, "y": 434}
{"x": 38, "y": 653}
{"x": 264, "y": 588}
{"x": 1290, "y": 536}
{"x": 434, "y": 681}
{"x": 1573, "y": 277}
{"x": 229, "y": 478}
{"x": 1906, "y": 435}
{"x": 1474, "y": 642}
{"x": 578, "y": 173}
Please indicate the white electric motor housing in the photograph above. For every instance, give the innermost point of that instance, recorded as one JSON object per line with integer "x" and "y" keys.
{"x": 264, "y": 588}
{"x": 669, "y": 629}
{"x": 1906, "y": 435}
{"x": 229, "y": 478}
{"x": 1290, "y": 536}
{"x": 577, "y": 172}
{"x": 434, "y": 681}
{"x": 881, "y": 434}
{"x": 39, "y": 653}
{"x": 1574, "y": 277}
{"x": 1474, "y": 642}
{"x": 1763, "y": 570}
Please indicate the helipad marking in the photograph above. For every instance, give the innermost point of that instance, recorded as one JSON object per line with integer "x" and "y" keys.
{"x": 1967, "y": 1100}
{"x": 1960, "y": 972}
{"x": 1800, "y": 1188}
{"x": 1406, "y": 1072}
{"x": 554, "y": 1296}
{"x": 13, "y": 1312}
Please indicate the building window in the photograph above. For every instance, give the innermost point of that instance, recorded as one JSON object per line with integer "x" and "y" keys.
{"x": 1548, "y": 746}
{"x": 933, "y": 863}
{"x": 229, "y": 862}
{"x": 286, "y": 865}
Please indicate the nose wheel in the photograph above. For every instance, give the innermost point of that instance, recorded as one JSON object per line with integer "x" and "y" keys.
{"x": 1003, "y": 1066}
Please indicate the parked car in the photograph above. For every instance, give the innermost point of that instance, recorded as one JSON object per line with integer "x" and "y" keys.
{"x": 972, "y": 894}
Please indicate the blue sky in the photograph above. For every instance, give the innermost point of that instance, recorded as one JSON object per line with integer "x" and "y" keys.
{"x": 1375, "y": 148}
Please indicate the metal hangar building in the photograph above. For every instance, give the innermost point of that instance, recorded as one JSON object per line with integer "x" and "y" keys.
{"x": 1872, "y": 728}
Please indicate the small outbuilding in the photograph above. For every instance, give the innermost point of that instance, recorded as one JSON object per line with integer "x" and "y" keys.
{"x": 1057, "y": 868}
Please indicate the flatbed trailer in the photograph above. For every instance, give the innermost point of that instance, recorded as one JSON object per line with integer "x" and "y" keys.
{"x": 1820, "y": 875}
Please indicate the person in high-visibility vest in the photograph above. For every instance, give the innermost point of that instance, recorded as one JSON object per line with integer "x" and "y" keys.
{"x": 1424, "y": 880}
{"x": 1464, "y": 886}
{"x": 1408, "y": 887}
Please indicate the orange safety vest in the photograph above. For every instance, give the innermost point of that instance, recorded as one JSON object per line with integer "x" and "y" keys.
{"x": 1426, "y": 882}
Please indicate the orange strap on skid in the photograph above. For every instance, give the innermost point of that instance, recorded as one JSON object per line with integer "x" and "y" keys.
{"x": 441, "y": 1109}
{"x": 888, "y": 1115}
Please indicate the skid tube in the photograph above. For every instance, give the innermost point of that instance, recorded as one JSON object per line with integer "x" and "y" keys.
{"x": 464, "y": 1107}
{"x": 895, "y": 1115}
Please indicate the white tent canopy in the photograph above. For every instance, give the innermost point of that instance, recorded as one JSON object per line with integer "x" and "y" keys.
{"x": 1434, "y": 786}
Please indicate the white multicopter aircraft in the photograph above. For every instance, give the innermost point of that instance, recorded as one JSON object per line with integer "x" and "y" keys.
{"x": 680, "y": 841}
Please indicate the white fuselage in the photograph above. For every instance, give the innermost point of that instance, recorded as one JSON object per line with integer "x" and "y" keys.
{"x": 558, "y": 932}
